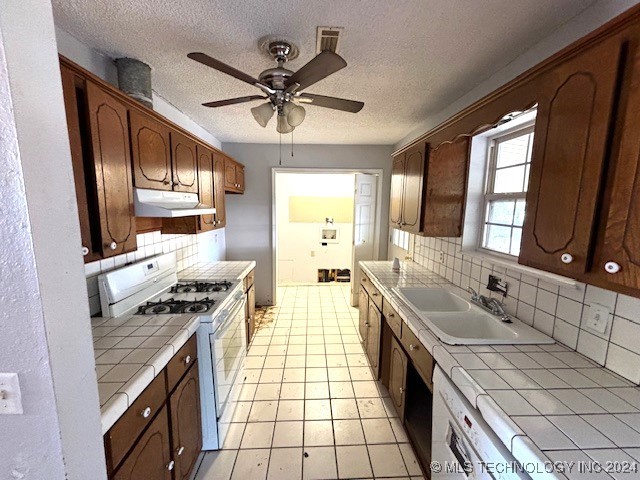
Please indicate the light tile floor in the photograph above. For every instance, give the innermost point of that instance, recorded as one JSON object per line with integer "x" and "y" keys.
{"x": 311, "y": 409}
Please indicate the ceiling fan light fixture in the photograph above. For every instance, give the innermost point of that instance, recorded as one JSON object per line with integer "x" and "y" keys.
{"x": 283, "y": 126}
{"x": 295, "y": 114}
{"x": 263, "y": 113}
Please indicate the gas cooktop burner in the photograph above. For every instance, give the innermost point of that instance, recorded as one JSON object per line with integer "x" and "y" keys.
{"x": 199, "y": 287}
{"x": 202, "y": 305}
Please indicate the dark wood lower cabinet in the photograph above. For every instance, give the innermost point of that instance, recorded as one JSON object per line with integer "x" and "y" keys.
{"x": 398, "y": 377}
{"x": 363, "y": 303}
{"x": 150, "y": 458}
{"x": 373, "y": 338}
{"x": 251, "y": 312}
{"x": 186, "y": 431}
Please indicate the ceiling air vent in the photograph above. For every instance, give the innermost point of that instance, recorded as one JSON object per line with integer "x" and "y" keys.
{"x": 328, "y": 38}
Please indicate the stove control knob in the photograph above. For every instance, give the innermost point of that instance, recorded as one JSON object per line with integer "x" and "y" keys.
{"x": 85, "y": 251}
{"x": 146, "y": 412}
{"x": 187, "y": 360}
{"x": 113, "y": 245}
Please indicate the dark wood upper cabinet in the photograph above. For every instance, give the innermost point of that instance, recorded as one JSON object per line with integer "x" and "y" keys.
{"x": 447, "y": 168}
{"x": 233, "y": 176}
{"x": 75, "y": 108}
{"x": 185, "y": 167}
{"x": 397, "y": 191}
{"x": 575, "y": 107}
{"x": 407, "y": 194}
{"x": 219, "y": 189}
{"x": 617, "y": 258}
{"x": 186, "y": 433}
{"x": 205, "y": 178}
{"x": 112, "y": 161}
{"x": 150, "y": 458}
{"x": 151, "y": 152}
{"x": 398, "y": 377}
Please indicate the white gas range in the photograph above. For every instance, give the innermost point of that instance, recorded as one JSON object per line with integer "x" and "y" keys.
{"x": 152, "y": 287}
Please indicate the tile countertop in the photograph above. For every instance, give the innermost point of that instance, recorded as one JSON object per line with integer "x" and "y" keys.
{"x": 546, "y": 403}
{"x": 131, "y": 350}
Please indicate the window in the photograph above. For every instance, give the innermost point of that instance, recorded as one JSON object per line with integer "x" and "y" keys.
{"x": 400, "y": 239}
{"x": 509, "y": 164}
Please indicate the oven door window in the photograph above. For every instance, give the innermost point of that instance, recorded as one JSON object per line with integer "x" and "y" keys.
{"x": 227, "y": 347}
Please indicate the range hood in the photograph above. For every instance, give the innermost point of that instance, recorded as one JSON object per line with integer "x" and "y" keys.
{"x": 158, "y": 203}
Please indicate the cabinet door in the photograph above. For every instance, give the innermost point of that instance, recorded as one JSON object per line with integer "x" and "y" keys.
{"x": 251, "y": 312}
{"x": 151, "y": 152}
{"x": 363, "y": 310}
{"x": 447, "y": 168}
{"x": 413, "y": 189}
{"x": 398, "y": 377}
{"x": 205, "y": 179}
{"x": 575, "y": 104}
{"x": 150, "y": 459}
{"x": 620, "y": 245}
{"x": 112, "y": 161}
{"x": 230, "y": 181}
{"x": 373, "y": 339}
{"x": 218, "y": 185}
{"x": 240, "y": 177}
{"x": 73, "y": 89}
{"x": 184, "y": 162}
{"x": 185, "y": 423}
{"x": 397, "y": 189}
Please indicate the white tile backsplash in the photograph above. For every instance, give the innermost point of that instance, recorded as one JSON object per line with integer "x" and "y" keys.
{"x": 556, "y": 311}
{"x": 149, "y": 244}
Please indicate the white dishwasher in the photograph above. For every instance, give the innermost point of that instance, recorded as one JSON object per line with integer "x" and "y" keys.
{"x": 463, "y": 445}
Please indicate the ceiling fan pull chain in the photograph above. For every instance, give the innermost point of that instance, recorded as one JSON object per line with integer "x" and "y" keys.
{"x": 280, "y": 149}
{"x": 291, "y": 144}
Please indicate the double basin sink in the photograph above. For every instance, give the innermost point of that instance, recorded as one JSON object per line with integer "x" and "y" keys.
{"x": 456, "y": 321}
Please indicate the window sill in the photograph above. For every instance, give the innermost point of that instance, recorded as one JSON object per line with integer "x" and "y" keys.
{"x": 558, "y": 280}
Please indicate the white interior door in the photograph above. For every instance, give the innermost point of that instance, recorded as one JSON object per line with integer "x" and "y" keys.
{"x": 364, "y": 227}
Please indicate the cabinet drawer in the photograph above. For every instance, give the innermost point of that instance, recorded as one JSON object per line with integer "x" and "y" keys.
{"x": 181, "y": 362}
{"x": 121, "y": 437}
{"x": 249, "y": 280}
{"x": 421, "y": 358}
{"x": 373, "y": 292}
{"x": 393, "y": 319}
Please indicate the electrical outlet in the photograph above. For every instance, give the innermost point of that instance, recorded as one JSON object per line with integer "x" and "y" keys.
{"x": 597, "y": 318}
{"x": 441, "y": 256}
{"x": 313, "y": 253}
{"x": 10, "y": 397}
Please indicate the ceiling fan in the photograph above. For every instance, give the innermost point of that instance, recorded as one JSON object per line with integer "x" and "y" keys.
{"x": 283, "y": 88}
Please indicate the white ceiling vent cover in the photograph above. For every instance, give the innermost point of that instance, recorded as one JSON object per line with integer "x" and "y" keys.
{"x": 328, "y": 38}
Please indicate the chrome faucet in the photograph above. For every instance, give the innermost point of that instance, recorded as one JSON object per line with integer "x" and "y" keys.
{"x": 491, "y": 305}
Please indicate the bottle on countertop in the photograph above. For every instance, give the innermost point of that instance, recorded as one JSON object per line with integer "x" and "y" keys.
{"x": 396, "y": 265}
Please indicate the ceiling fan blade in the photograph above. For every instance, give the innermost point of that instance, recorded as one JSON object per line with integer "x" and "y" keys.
{"x": 232, "y": 101}
{"x": 224, "y": 68}
{"x": 321, "y": 66}
{"x": 331, "y": 102}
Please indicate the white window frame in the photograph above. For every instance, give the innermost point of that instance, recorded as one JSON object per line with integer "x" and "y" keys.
{"x": 400, "y": 239}
{"x": 489, "y": 195}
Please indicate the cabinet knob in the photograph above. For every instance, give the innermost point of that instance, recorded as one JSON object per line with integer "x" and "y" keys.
{"x": 180, "y": 451}
{"x": 412, "y": 347}
{"x": 401, "y": 390}
{"x": 167, "y": 182}
{"x": 187, "y": 360}
{"x": 146, "y": 412}
{"x": 113, "y": 245}
{"x": 85, "y": 251}
{"x": 391, "y": 315}
{"x": 403, "y": 224}
{"x": 366, "y": 324}
{"x": 171, "y": 465}
{"x": 612, "y": 267}
{"x": 566, "y": 258}
{"x": 374, "y": 294}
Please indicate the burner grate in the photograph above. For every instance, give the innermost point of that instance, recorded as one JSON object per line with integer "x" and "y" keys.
{"x": 201, "y": 287}
{"x": 172, "y": 306}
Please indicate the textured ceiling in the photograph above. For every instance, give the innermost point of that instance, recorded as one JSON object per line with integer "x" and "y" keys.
{"x": 406, "y": 58}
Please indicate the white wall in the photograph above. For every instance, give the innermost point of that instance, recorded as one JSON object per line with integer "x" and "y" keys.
{"x": 249, "y": 229}
{"x": 588, "y": 20}
{"x": 46, "y": 336}
{"x": 300, "y": 253}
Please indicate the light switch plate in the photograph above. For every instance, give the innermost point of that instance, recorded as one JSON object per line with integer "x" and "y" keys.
{"x": 10, "y": 397}
{"x": 597, "y": 318}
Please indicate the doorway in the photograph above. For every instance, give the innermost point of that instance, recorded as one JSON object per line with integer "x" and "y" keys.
{"x": 324, "y": 223}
